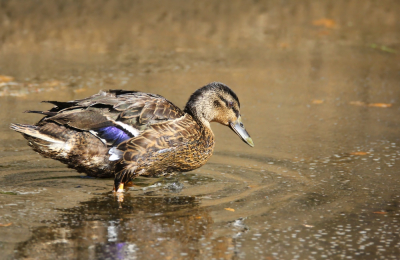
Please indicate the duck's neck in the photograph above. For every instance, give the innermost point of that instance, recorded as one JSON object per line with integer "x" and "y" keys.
{"x": 206, "y": 136}
{"x": 198, "y": 110}
{"x": 198, "y": 114}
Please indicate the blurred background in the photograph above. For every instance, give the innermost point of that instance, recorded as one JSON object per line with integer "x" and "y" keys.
{"x": 318, "y": 83}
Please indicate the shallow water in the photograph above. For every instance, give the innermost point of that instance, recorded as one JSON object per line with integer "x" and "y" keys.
{"x": 318, "y": 84}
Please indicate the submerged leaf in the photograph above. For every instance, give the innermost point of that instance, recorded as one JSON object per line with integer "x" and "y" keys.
{"x": 8, "y": 193}
{"x": 382, "y": 48}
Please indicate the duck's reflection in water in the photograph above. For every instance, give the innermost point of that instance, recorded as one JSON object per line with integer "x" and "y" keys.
{"x": 145, "y": 228}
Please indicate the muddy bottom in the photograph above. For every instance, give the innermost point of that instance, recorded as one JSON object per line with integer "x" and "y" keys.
{"x": 319, "y": 90}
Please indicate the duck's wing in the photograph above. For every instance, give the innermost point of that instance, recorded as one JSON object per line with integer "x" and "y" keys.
{"x": 114, "y": 116}
{"x": 156, "y": 150}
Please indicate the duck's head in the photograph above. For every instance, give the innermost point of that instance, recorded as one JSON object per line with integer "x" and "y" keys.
{"x": 216, "y": 102}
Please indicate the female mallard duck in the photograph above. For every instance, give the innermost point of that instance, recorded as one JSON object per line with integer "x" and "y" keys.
{"x": 124, "y": 134}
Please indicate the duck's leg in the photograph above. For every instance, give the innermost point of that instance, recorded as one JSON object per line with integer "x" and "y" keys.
{"x": 121, "y": 178}
{"x": 118, "y": 185}
{"x": 119, "y": 189}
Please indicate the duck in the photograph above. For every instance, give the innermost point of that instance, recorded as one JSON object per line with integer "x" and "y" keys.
{"x": 123, "y": 134}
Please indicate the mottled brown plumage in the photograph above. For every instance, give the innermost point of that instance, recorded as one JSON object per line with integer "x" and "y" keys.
{"x": 124, "y": 134}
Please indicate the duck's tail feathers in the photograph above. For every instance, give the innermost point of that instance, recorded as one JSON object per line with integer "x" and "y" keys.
{"x": 47, "y": 113}
{"x": 78, "y": 149}
{"x": 34, "y": 131}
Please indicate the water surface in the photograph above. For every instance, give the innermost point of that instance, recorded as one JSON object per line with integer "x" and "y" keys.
{"x": 318, "y": 84}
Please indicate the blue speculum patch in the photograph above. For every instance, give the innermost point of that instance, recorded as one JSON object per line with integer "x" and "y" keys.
{"x": 113, "y": 134}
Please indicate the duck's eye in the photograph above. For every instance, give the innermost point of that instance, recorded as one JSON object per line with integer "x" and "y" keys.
{"x": 230, "y": 104}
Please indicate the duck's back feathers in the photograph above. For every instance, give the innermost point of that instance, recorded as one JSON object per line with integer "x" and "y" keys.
{"x": 106, "y": 120}
{"x": 116, "y": 113}
{"x": 133, "y": 107}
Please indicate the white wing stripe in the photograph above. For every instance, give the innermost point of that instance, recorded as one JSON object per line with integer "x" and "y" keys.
{"x": 115, "y": 154}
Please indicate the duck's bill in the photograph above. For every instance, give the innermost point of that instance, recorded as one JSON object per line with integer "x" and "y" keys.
{"x": 239, "y": 129}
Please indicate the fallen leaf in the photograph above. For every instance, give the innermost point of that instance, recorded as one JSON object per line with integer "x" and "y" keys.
{"x": 229, "y": 209}
{"x": 198, "y": 217}
{"x": 4, "y": 79}
{"x": 380, "y": 212}
{"x": 317, "y": 101}
{"x": 359, "y": 153}
{"x": 384, "y": 105}
{"x": 362, "y": 104}
{"x": 6, "y": 225}
{"x": 327, "y": 23}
